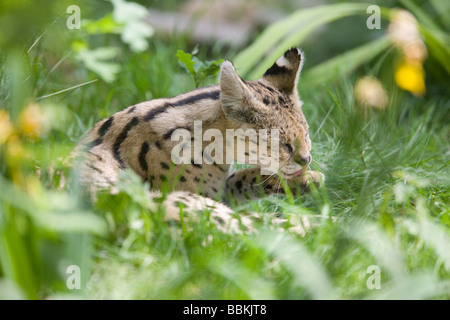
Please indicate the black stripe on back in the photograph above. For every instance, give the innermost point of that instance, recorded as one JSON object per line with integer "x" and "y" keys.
{"x": 155, "y": 111}
{"x": 142, "y": 156}
{"x": 212, "y": 95}
{"x": 121, "y": 138}
{"x": 168, "y": 134}
{"x": 105, "y": 126}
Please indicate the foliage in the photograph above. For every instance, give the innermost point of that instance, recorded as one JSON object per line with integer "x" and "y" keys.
{"x": 125, "y": 20}
{"x": 295, "y": 28}
{"x": 199, "y": 70}
{"x": 286, "y": 33}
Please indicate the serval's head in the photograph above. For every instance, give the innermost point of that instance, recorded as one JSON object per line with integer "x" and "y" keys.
{"x": 271, "y": 102}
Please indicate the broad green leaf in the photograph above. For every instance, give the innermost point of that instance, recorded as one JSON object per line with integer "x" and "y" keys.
{"x": 278, "y": 37}
{"x": 420, "y": 14}
{"x": 16, "y": 257}
{"x": 77, "y": 221}
{"x": 443, "y": 7}
{"x": 436, "y": 46}
{"x": 345, "y": 63}
{"x": 54, "y": 211}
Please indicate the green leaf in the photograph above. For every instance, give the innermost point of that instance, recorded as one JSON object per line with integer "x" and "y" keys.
{"x": 213, "y": 67}
{"x": 443, "y": 7}
{"x": 54, "y": 211}
{"x": 421, "y": 15}
{"x": 199, "y": 70}
{"x": 103, "y": 25}
{"x": 437, "y": 47}
{"x": 199, "y": 67}
{"x": 186, "y": 62}
{"x": 17, "y": 256}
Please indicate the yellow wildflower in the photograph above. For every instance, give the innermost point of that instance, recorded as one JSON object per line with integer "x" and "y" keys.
{"x": 411, "y": 76}
{"x": 14, "y": 147}
{"x": 404, "y": 33}
{"x": 6, "y": 127}
{"x": 32, "y": 121}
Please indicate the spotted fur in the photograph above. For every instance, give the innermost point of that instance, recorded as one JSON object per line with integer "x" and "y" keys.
{"x": 139, "y": 137}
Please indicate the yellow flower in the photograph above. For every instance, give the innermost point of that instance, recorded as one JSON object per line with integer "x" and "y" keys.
{"x": 14, "y": 147}
{"x": 411, "y": 76}
{"x": 404, "y": 33}
{"x": 6, "y": 127}
{"x": 370, "y": 92}
{"x": 32, "y": 121}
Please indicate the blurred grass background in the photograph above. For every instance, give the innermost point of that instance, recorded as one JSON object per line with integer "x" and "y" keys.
{"x": 377, "y": 102}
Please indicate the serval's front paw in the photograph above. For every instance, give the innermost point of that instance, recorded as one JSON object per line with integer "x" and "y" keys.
{"x": 316, "y": 177}
{"x": 303, "y": 182}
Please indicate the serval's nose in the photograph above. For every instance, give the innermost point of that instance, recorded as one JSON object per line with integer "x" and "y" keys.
{"x": 304, "y": 161}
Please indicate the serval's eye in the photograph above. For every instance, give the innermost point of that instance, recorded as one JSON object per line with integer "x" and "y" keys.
{"x": 288, "y": 147}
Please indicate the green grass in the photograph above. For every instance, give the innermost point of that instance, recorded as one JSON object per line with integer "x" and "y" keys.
{"x": 387, "y": 185}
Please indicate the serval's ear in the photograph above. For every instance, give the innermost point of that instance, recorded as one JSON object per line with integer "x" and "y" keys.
{"x": 284, "y": 73}
{"x": 235, "y": 97}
